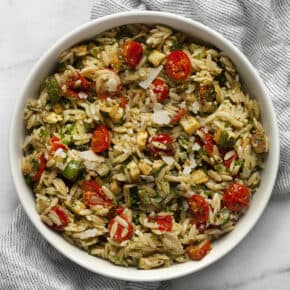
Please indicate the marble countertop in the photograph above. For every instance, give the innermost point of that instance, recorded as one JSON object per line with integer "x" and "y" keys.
{"x": 27, "y": 29}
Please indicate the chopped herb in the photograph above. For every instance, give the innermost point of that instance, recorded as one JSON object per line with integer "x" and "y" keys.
{"x": 44, "y": 133}
{"x": 124, "y": 32}
{"x": 28, "y": 179}
{"x": 219, "y": 167}
{"x": 221, "y": 78}
{"x": 189, "y": 150}
{"x": 61, "y": 66}
{"x": 238, "y": 162}
{"x": 136, "y": 219}
{"x": 174, "y": 191}
{"x": 175, "y": 45}
{"x": 225, "y": 220}
{"x": 198, "y": 56}
{"x": 141, "y": 38}
{"x": 221, "y": 64}
{"x": 35, "y": 164}
{"x": 185, "y": 87}
{"x": 134, "y": 198}
{"x": 78, "y": 64}
{"x": 225, "y": 141}
{"x": 208, "y": 193}
{"x": 201, "y": 151}
{"x": 52, "y": 87}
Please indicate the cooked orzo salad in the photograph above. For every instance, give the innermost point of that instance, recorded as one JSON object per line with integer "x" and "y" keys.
{"x": 142, "y": 147}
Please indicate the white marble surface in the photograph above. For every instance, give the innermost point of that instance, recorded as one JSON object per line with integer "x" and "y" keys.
{"x": 27, "y": 28}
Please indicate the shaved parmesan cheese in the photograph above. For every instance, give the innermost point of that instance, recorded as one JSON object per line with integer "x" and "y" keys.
{"x": 161, "y": 117}
{"x": 195, "y": 107}
{"x": 91, "y": 156}
{"x": 168, "y": 159}
{"x": 182, "y": 105}
{"x": 60, "y": 153}
{"x": 83, "y": 96}
{"x": 152, "y": 75}
{"x": 187, "y": 170}
{"x": 196, "y": 147}
{"x": 192, "y": 161}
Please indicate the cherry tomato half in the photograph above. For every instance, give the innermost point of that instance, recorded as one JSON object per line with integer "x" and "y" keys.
{"x": 62, "y": 217}
{"x": 132, "y": 52}
{"x": 178, "y": 65}
{"x": 160, "y": 89}
{"x": 228, "y": 162}
{"x": 198, "y": 252}
{"x": 199, "y": 209}
{"x": 237, "y": 197}
{"x": 101, "y": 139}
{"x": 176, "y": 118}
{"x": 120, "y": 229}
{"x": 94, "y": 195}
{"x": 165, "y": 222}
{"x": 165, "y": 141}
{"x": 40, "y": 169}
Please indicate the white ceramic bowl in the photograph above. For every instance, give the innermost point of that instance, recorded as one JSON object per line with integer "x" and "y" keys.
{"x": 249, "y": 76}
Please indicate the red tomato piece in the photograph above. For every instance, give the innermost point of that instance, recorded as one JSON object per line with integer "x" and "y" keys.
{"x": 56, "y": 144}
{"x": 160, "y": 89}
{"x": 132, "y": 52}
{"x": 94, "y": 195}
{"x": 199, "y": 209}
{"x": 164, "y": 140}
{"x": 62, "y": 216}
{"x": 178, "y": 65}
{"x": 41, "y": 168}
{"x": 176, "y": 118}
{"x": 198, "y": 252}
{"x": 237, "y": 197}
{"x": 123, "y": 102}
{"x": 85, "y": 84}
{"x": 119, "y": 210}
{"x": 165, "y": 222}
{"x": 101, "y": 139}
{"x": 90, "y": 185}
{"x": 205, "y": 93}
{"x": 73, "y": 90}
{"x": 208, "y": 143}
{"x": 120, "y": 229}
{"x": 228, "y": 162}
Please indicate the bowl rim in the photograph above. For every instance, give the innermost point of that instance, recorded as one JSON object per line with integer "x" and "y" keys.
{"x": 155, "y": 274}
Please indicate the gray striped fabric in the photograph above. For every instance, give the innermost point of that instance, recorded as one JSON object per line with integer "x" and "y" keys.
{"x": 27, "y": 261}
{"x": 261, "y": 29}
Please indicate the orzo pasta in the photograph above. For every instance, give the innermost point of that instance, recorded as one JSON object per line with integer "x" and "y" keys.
{"x": 143, "y": 147}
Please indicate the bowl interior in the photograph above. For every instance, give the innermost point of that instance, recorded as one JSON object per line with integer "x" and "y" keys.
{"x": 249, "y": 77}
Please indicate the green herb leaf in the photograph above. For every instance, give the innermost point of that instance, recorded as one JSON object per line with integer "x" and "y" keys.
{"x": 52, "y": 87}
{"x": 175, "y": 45}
